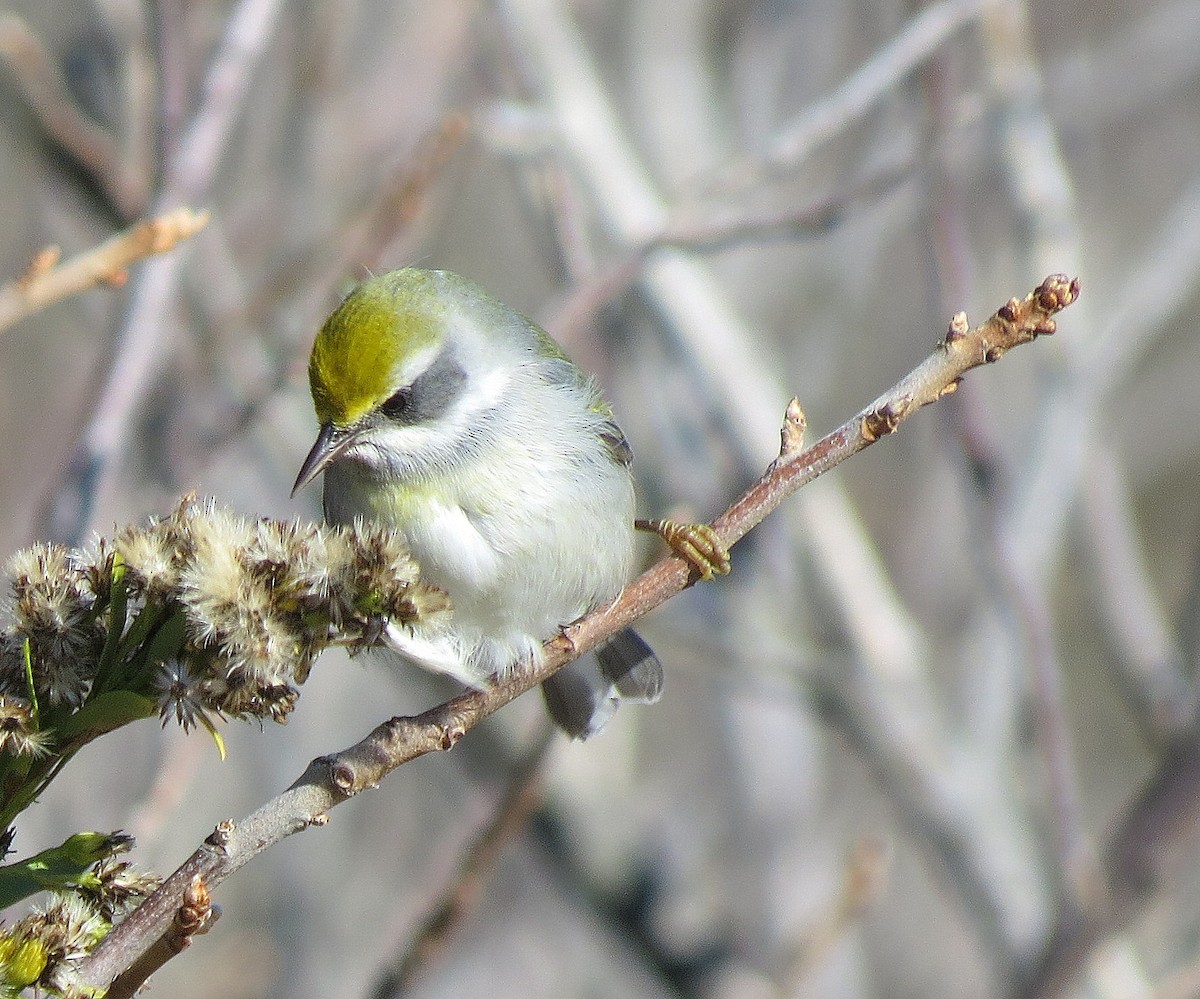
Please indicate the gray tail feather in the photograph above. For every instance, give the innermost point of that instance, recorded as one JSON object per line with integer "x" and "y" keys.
{"x": 582, "y": 696}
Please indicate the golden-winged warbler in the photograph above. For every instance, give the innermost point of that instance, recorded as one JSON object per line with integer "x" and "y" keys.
{"x": 450, "y": 416}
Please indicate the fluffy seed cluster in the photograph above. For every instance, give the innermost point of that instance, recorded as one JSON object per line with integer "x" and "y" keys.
{"x": 205, "y": 612}
{"x": 40, "y": 948}
{"x": 55, "y": 607}
{"x": 199, "y": 615}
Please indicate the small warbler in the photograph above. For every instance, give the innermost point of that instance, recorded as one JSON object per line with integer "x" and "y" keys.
{"x": 451, "y": 417}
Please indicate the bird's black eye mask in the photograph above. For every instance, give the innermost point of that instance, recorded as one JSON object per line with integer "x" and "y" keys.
{"x": 430, "y": 395}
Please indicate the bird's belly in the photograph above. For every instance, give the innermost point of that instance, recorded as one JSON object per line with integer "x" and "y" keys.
{"x": 515, "y": 572}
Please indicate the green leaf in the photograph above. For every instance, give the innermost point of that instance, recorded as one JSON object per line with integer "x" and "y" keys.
{"x": 217, "y": 738}
{"x": 117, "y": 611}
{"x": 168, "y": 639}
{"x": 59, "y": 868}
{"x": 30, "y": 689}
{"x": 155, "y": 635}
{"x": 102, "y": 714}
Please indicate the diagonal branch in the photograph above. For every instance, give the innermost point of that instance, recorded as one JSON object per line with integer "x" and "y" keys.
{"x": 48, "y": 281}
{"x": 330, "y": 780}
{"x": 65, "y": 122}
{"x": 142, "y": 346}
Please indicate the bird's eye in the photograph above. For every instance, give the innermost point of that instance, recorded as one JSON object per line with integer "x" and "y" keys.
{"x": 398, "y": 404}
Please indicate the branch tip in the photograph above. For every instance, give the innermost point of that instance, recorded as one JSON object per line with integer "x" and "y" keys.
{"x": 49, "y": 279}
{"x": 1057, "y": 292}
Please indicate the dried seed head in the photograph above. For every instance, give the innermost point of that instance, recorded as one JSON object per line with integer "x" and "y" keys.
{"x": 222, "y": 615}
{"x": 155, "y": 553}
{"x": 52, "y": 607}
{"x": 379, "y": 581}
{"x": 68, "y": 929}
{"x": 19, "y": 734}
{"x": 180, "y": 695}
{"x": 117, "y": 888}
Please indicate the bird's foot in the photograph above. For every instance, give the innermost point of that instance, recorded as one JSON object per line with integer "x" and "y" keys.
{"x": 697, "y": 544}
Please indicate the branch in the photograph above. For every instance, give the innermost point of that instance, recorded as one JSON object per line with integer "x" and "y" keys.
{"x": 522, "y": 795}
{"x": 47, "y": 281}
{"x": 1139, "y": 858}
{"x": 858, "y": 94}
{"x": 142, "y": 346}
{"x": 330, "y": 780}
{"x": 64, "y": 121}
{"x": 715, "y": 228}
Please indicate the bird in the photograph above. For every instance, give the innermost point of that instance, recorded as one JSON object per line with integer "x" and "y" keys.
{"x": 452, "y": 418}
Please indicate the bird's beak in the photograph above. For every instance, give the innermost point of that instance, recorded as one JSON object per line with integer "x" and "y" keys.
{"x": 331, "y": 442}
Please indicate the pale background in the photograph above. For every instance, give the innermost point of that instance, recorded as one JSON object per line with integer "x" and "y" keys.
{"x": 960, "y": 658}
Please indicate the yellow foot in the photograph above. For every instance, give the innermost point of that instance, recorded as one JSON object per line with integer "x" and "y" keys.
{"x": 697, "y": 544}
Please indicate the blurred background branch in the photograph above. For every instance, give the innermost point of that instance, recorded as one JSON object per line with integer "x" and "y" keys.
{"x": 974, "y": 647}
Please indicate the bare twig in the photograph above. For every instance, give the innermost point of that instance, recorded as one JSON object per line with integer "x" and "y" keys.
{"x": 1136, "y": 862}
{"x": 47, "y": 281}
{"x": 1073, "y": 850}
{"x": 1041, "y": 189}
{"x": 857, "y": 95}
{"x": 716, "y": 229}
{"x": 141, "y": 121}
{"x": 964, "y": 348}
{"x": 194, "y": 916}
{"x": 141, "y": 346}
{"x": 123, "y": 179}
{"x": 864, "y": 878}
{"x": 404, "y": 195}
{"x": 1148, "y": 655}
{"x": 330, "y": 780}
{"x": 522, "y": 795}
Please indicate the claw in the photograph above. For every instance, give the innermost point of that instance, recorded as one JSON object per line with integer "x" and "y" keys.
{"x": 697, "y": 544}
